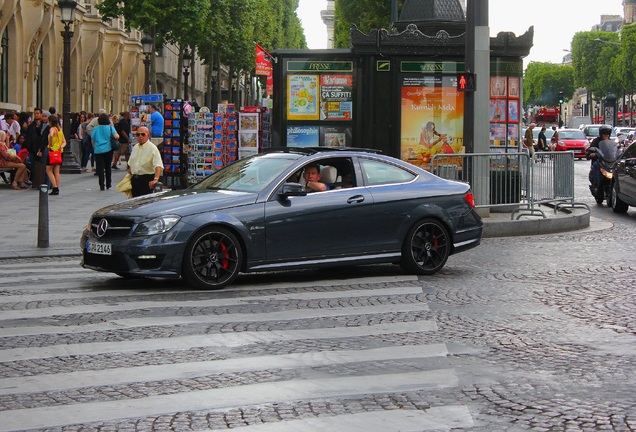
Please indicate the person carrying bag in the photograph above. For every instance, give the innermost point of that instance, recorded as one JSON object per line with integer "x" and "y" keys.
{"x": 56, "y": 145}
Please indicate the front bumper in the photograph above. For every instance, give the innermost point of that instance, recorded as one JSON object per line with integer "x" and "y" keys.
{"x": 152, "y": 256}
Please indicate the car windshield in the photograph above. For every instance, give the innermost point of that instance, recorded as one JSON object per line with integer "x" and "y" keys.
{"x": 571, "y": 135}
{"x": 248, "y": 175}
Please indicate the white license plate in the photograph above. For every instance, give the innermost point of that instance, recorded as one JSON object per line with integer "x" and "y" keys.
{"x": 98, "y": 248}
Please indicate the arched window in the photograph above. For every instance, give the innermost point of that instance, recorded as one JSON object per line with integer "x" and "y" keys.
{"x": 4, "y": 68}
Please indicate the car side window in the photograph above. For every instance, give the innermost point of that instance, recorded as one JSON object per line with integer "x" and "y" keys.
{"x": 378, "y": 173}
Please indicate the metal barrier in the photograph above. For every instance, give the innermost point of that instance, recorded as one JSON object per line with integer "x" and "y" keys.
{"x": 513, "y": 179}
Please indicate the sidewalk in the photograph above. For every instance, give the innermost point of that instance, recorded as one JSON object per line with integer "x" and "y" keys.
{"x": 80, "y": 196}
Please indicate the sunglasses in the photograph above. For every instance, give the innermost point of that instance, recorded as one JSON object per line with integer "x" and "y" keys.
{"x": 140, "y": 134}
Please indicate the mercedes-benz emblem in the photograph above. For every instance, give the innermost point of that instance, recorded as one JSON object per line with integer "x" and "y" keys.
{"x": 102, "y": 227}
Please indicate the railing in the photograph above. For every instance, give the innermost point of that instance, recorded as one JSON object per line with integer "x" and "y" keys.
{"x": 513, "y": 179}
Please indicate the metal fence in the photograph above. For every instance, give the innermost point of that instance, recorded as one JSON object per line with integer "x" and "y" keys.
{"x": 513, "y": 179}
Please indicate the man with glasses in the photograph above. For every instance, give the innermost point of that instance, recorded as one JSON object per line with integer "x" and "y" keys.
{"x": 145, "y": 164}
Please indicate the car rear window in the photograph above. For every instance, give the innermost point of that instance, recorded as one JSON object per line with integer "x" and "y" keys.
{"x": 378, "y": 172}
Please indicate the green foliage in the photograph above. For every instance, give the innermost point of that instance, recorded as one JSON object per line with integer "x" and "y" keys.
{"x": 542, "y": 83}
{"x": 226, "y": 27}
{"x": 598, "y": 66}
{"x": 367, "y": 15}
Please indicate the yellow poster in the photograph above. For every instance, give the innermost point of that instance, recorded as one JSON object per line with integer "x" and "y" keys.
{"x": 302, "y": 97}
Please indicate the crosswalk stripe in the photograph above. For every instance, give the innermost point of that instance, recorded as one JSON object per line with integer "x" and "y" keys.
{"x": 218, "y": 302}
{"x": 213, "y": 340}
{"x": 116, "y": 376}
{"x": 223, "y": 398}
{"x": 291, "y": 315}
{"x": 447, "y": 417}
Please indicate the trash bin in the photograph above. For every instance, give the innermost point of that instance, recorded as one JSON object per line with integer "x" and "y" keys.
{"x": 505, "y": 187}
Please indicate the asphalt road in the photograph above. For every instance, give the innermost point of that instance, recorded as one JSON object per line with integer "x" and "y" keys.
{"x": 522, "y": 333}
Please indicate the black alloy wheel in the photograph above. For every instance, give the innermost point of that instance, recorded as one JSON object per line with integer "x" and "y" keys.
{"x": 212, "y": 259}
{"x": 426, "y": 248}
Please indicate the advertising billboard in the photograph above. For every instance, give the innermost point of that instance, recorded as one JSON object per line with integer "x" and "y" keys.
{"x": 432, "y": 113}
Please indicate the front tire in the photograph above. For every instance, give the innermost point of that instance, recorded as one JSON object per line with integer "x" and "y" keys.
{"x": 426, "y": 248}
{"x": 212, "y": 259}
{"x": 618, "y": 205}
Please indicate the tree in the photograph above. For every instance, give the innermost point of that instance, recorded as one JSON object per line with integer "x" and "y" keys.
{"x": 597, "y": 65}
{"x": 367, "y": 15}
{"x": 542, "y": 83}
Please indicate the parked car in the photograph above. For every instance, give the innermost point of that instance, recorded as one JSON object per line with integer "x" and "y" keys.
{"x": 574, "y": 140}
{"x": 624, "y": 134}
{"x": 591, "y": 132}
{"x": 254, "y": 215}
{"x": 548, "y": 134}
{"x": 624, "y": 181}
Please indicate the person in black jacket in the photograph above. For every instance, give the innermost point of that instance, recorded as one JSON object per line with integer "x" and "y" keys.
{"x": 33, "y": 139}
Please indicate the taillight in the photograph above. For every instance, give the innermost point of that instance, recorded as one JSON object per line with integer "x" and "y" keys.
{"x": 470, "y": 199}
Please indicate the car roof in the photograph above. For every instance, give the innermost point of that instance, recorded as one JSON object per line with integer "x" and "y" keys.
{"x": 315, "y": 150}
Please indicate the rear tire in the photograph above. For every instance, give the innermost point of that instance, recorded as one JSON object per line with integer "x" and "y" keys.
{"x": 212, "y": 259}
{"x": 426, "y": 248}
{"x": 618, "y": 205}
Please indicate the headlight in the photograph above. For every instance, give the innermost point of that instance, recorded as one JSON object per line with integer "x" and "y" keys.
{"x": 154, "y": 226}
{"x": 607, "y": 174}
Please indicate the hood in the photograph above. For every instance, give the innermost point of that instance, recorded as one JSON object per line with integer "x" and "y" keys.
{"x": 182, "y": 203}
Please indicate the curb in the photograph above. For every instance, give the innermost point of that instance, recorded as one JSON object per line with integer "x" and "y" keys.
{"x": 572, "y": 219}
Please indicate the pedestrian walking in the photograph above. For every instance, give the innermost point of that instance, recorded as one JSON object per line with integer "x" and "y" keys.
{"x": 101, "y": 136}
{"x": 56, "y": 143}
{"x": 123, "y": 129}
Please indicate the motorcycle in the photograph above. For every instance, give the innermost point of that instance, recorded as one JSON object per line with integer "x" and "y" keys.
{"x": 601, "y": 174}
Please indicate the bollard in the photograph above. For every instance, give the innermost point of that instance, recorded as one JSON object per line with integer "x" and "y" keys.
{"x": 43, "y": 217}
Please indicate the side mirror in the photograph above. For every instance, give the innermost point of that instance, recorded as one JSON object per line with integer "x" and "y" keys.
{"x": 292, "y": 189}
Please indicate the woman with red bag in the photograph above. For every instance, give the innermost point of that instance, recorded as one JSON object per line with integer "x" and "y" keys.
{"x": 57, "y": 142}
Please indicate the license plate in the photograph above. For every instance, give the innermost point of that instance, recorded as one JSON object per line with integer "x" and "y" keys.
{"x": 98, "y": 248}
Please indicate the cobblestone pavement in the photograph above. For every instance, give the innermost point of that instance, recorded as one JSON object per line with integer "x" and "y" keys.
{"x": 532, "y": 333}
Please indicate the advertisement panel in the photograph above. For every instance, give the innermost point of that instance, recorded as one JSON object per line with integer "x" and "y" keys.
{"x": 432, "y": 113}
{"x": 336, "y": 100}
{"x": 302, "y": 97}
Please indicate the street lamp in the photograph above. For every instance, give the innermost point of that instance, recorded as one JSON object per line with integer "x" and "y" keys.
{"x": 234, "y": 87}
{"x": 213, "y": 74}
{"x": 67, "y": 13}
{"x": 187, "y": 57}
{"x": 147, "y": 46}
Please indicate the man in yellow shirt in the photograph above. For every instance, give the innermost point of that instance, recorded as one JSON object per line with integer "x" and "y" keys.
{"x": 145, "y": 164}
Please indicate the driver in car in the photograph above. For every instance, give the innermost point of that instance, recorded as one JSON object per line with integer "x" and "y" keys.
{"x": 312, "y": 177}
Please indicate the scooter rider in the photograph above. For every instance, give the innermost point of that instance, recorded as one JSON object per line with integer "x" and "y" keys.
{"x": 604, "y": 133}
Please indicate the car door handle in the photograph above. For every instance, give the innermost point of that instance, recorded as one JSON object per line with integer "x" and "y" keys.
{"x": 355, "y": 199}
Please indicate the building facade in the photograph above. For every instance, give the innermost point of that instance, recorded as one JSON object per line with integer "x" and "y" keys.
{"x": 106, "y": 60}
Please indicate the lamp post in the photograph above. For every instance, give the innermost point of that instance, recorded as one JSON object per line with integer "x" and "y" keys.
{"x": 187, "y": 57}
{"x": 67, "y": 12}
{"x": 213, "y": 74}
{"x": 147, "y": 46}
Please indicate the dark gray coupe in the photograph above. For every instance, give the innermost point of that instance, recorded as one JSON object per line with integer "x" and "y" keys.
{"x": 257, "y": 215}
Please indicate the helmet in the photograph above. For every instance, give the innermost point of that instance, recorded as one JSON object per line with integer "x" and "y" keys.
{"x": 604, "y": 130}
